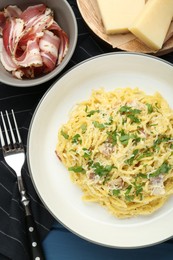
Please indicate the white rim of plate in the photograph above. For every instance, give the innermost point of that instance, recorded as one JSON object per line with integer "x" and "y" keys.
{"x": 29, "y": 135}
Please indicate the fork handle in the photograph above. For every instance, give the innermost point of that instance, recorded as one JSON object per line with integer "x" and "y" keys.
{"x": 35, "y": 245}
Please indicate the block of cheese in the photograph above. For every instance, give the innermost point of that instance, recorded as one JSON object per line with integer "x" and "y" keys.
{"x": 118, "y": 15}
{"x": 152, "y": 25}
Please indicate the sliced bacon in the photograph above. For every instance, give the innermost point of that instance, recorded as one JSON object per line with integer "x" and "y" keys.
{"x": 32, "y": 42}
{"x": 49, "y": 46}
{"x": 18, "y": 73}
{"x": 2, "y": 21}
{"x": 31, "y": 13}
{"x": 12, "y": 11}
{"x": 156, "y": 185}
{"x": 11, "y": 34}
{"x": 28, "y": 72}
{"x": 31, "y": 56}
{"x": 49, "y": 43}
{"x": 36, "y": 28}
{"x": 63, "y": 40}
{"x": 49, "y": 61}
{"x": 7, "y": 61}
{"x": 1, "y": 45}
{"x": 38, "y": 71}
{"x": 9, "y": 11}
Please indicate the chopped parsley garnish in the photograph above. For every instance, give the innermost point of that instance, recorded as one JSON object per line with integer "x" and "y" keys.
{"x": 102, "y": 126}
{"x": 76, "y": 139}
{"x": 130, "y": 113}
{"x": 160, "y": 140}
{"x": 150, "y": 108}
{"x": 87, "y": 153}
{"x": 124, "y": 138}
{"x": 129, "y": 197}
{"x": 132, "y": 157}
{"x": 116, "y": 192}
{"x": 86, "y": 109}
{"x": 142, "y": 175}
{"x": 98, "y": 125}
{"x": 134, "y": 119}
{"x": 153, "y": 125}
{"x": 129, "y": 110}
{"x": 139, "y": 189}
{"x": 128, "y": 189}
{"x": 112, "y": 136}
{"x": 124, "y": 120}
{"x": 144, "y": 154}
{"x": 110, "y": 121}
{"x": 92, "y": 112}
{"x": 65, "y": 135}
{"x": 164, "y": 168}
{"x": 77, "y": 169}
{"x": 84, "y": 128}
{"x": 125, "y": 109}
{"x": 101, "y": 170}
{"x": 136, "y": 138}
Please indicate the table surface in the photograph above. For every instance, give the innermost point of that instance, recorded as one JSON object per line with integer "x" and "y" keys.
{"x": 24, "y": 100}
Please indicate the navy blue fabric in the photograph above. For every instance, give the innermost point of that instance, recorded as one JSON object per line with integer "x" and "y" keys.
{"x": 62, "y": 244}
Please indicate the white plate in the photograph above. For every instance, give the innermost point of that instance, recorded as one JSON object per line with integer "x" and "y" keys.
{"x": 51, "y": 179}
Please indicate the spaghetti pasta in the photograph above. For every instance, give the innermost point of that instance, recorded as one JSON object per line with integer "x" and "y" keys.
{"x": 118, "y": 148}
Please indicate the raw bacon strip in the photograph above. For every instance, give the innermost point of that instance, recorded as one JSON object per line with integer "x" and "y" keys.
{"x": 11, "y": 34}
{"x": 18, "y": 73}
{"x": 63, "y": 40}
{"x": 49, "y": 43}
{"x": 31, "y": 56}
{"x": 2, "y": 21}
{"x": 49, "y": 46}
{"x": 1, "y": 45}
{"x": 27, "y": 72}
{"x": 7, "y": 61}
{"x": 9, "y": 11}
{"x": 31, "y": 13}
{"x": 49, "y": 61}
{"x": 38, "y": 25}
{"x": 12, "y": 11}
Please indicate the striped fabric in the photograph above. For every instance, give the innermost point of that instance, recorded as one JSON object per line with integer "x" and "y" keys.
{"x": 13, "y": 239}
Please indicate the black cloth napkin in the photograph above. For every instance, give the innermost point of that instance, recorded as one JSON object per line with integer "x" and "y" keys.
{"x": 13, "y": 237}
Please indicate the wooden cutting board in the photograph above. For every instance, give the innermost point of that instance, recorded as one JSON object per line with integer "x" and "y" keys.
{"x": 126, "y": 42}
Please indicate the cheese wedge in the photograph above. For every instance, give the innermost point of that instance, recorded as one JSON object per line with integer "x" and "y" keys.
{"x": 118, "y": 15}
{"x": 153, "y": 24}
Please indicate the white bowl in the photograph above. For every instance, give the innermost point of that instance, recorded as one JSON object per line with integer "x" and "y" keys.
{"x": 65, "y": 17}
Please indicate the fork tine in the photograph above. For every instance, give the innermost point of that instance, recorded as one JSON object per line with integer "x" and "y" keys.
{"x": 16, "y": 127}
{"x": 11, "y": 130}
{"x": 2, "y": 138}
{"x": 5, "y": 129}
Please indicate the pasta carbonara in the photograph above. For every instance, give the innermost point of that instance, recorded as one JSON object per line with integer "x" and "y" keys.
{"x": 118, "y": 147}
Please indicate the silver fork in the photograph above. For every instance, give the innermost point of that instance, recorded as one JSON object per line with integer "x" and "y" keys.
{"x": 14, "y": 155}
